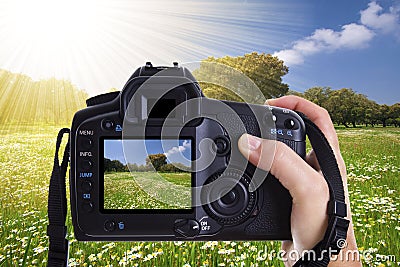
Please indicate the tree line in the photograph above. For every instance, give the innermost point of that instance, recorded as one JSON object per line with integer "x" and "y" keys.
{"x": 348, "y": 108}
{"x": 345, "y": 106}
{"x": 54, "y": 102}
{"x": 156, "y": 162}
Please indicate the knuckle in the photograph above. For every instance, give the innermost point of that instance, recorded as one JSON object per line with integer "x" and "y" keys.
{"x": 324, "y": 112}
{"x": 280, "y": 157}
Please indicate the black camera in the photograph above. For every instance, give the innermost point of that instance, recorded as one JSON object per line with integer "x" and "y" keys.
{"x": 160, "y": 161}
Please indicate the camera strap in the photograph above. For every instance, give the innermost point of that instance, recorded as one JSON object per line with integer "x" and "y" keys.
{"x": 336, "y": 232}
{"x": 57, "y": 208}
{"x": 319, "y": 256}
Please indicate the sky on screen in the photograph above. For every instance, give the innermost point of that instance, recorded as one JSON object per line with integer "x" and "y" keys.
{"x": 136, "y": 150}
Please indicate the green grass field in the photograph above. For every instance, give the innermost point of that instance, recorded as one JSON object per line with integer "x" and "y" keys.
{"x": 147, "y": 190}
{"x": 373, "y": 161}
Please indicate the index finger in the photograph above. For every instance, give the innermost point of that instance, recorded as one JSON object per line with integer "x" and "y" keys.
{"x": 317, "y": 114}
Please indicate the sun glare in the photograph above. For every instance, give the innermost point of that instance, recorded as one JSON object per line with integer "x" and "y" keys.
{"x": 53, "y": 24}
{"x": 97, "y": 44}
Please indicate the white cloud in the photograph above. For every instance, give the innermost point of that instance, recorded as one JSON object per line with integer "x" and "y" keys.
{"x": 354, "y": 36}
{"x": 351, "y": 36}
{"x": 177, "y": 149}
{"x": 290, "y": 56}
{"x": 374, "y": 18}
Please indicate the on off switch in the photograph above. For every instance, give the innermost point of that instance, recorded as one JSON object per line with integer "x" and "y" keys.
{"x": 187, "y": 228}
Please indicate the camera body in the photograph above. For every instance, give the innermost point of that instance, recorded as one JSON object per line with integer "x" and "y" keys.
{"x": 110, "y": 173}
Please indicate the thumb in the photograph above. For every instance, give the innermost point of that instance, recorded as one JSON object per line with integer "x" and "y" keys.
{"x": 307, "y": 187}
{"x": 281, "y": 161}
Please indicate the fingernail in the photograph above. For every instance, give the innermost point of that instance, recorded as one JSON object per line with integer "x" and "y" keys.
{"x": 250, "y": 142}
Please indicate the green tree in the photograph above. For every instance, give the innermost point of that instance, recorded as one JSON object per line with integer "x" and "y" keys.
{"x": 114, "y": 166}
{"x": 384, "y": 114}
{"x": 371, "y": 116}
{"x": 174, "y": 167}
{"x": 318, "y": 95}
{"x": 394, "y": 111}
{"x": 133, "y": 167}
{"x": 157, "y": 160}
{"x": 167, "y": 168}
{"x": 265, "y": 70}
{"x": 292, "y": 92}
{"x": 344, "y": 106}
{"x": 181, "y": 167}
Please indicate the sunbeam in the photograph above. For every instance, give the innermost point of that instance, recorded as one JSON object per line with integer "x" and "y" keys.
{"x": 97, "y": 44}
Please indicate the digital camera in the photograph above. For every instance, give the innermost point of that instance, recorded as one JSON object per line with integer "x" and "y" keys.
{"x": 160, "y": 161}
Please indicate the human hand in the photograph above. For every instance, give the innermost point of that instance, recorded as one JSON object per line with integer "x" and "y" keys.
{"x": 303, "y": 179}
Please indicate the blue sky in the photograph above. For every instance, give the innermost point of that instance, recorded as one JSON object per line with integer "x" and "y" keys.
{"x": 368, "y": 63}
{"x": 338, "y": 44}
{"x": 136, "y": 151}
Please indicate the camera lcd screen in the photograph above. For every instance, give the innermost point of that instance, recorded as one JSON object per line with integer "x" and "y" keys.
{"x": 147, "y": 175}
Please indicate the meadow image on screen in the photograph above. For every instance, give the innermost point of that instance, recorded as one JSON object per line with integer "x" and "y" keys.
{"x": 149, "y": 174}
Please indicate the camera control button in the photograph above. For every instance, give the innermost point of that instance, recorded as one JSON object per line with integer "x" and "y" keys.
{"x": 87, "y": 206}
{"x": 86, "y": 186}
{"x": 222, "y": 145}
{"x": 86, "y": 143}
{"x": 121, "y": 225}
{"x": 109, "y": 226}
{"x": 187, "y": 228}
{"x": 107, "y": 124}
{"x": 289, "y": 123}
{"x": 86, "y": 164}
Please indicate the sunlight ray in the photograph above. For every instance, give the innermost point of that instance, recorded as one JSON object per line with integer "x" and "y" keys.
{"x": 97, "y": 44}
